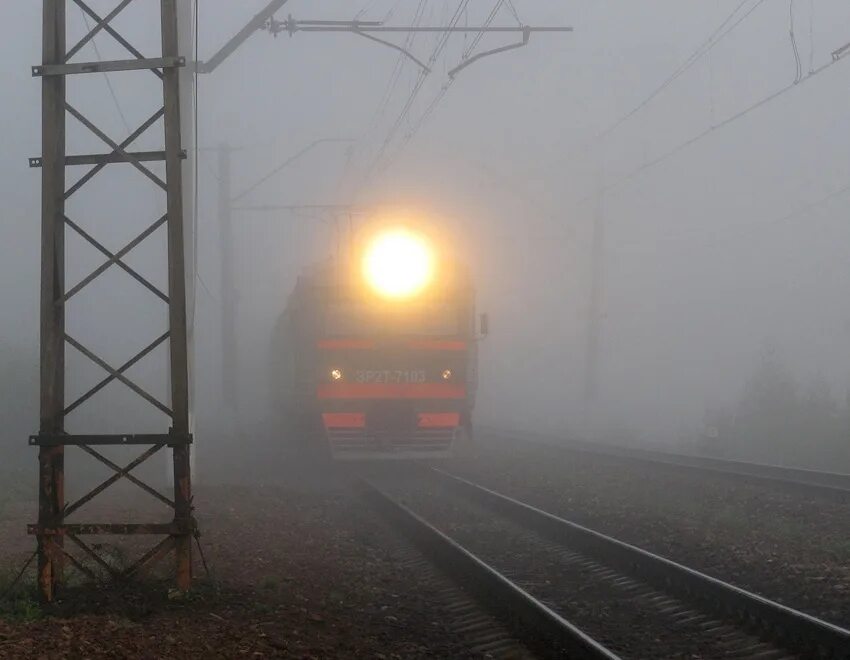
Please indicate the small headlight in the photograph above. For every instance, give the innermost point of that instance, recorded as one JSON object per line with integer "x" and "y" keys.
{"x": 447, "y": 374}
{"x": 336, "y": 374}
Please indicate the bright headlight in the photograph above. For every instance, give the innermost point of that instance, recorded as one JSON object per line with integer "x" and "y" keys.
{"x": 398, "y": 263}
{"x": 336, "y": 374}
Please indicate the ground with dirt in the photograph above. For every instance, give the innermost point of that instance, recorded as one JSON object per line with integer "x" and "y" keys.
{"x": 787, "y": 546}
{"x": 302, "y": 573}
{"x": 306, "y": 570}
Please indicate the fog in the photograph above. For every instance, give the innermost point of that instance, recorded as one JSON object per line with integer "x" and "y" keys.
{"x": 721, "y": 252}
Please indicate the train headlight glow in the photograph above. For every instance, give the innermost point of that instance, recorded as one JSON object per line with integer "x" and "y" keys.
{"x": 336, "y": 374}
{"x": 447, "y": 374}
{"x": 398, "y": 263}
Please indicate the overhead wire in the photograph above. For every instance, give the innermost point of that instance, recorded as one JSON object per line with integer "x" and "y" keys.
{"x": 432, "y": 106}
{"x": 286, "y": 163}
{"x": 106, "y": 75}
{"x": 480, "y": 33}
{"x": 196, "y": 170}
{"x": 400, "y": 61}
{"x": 388, "y": 16}
{"x": 363, "y": 11}
{"x": 732, "y": 231}
{"x": 712, "y": 129}
{"x": 798, "y": 74}
{"x": 720, "y": 33}
{"x": 440, "y": 45}
{"x": 514, "y": 12}
{"x": 811, "y": 35}
{"x": 711, "y": 102}
{"x": 389, "y": 90}
{"x": 426, "y": 115}
{"x": 438, "y": 50}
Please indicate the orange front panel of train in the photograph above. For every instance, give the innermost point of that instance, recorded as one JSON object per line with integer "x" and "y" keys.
{"x": 438, "y": 420}
{"x": 342, "y": 420}
{"x": 390, "y": 391}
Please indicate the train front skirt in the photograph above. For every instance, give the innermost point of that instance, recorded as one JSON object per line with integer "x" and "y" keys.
{"x": 357, "y": 436}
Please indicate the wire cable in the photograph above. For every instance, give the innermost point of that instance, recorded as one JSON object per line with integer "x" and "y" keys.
{"x": 390, "y": 13}
{"x": 196, "y": 170}
{"x": 798, "y": 73}
{"x": 389, "y": 92}
{"x": 715, "y": 38}
{"x": 10, "y": 588}
{"x": 480, "y": 35}
{"x": 363, "y": 11}
{"x": 423, "y": 119}
{"x": 106, "y": 75}
{"x": 514, "y": 12}
{"x": 811, "y": 35}
{"x": 709, "y": 131}
{"x": 400, "y": 61}
{"x": 438, "y": 50}
{"x": 732, "y": 231}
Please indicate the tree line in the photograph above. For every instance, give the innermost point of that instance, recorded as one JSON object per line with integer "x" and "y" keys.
{"x": 780, "y": 420}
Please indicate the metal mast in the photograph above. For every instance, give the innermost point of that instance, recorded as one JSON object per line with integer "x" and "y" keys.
{"x": 594, "y": 313}
{"x": 52, "y": 530}
{"x": 229, "y": 294}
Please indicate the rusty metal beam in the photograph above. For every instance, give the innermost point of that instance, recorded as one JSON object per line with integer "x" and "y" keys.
{"x": 108, "y": 159}
{"x": 68, "y": 439}
{"x": 177, "y": 295}
{"x": 106, "y": 67}
{"x": 104, "y": 529}
{"x": 52, "y": 399}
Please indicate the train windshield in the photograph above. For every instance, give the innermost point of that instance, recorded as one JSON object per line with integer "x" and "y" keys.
{"x": 428, "y": 319}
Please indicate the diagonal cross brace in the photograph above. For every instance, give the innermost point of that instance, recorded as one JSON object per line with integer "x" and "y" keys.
{"x": 126, "y": 142}
{"x": 114, "y": 259}
{"x": 129, "y": 363}
{"x": 116, "y": 148}
{"x": 153, "y": 555}
{"x": 108, "y": 28}
{"x": 101, "y": 23}
{"x": 119, "y": 474}
{"x": 82, "y": 568}
{"x": 91, "y": 553}
{"x": 116, "y": 374}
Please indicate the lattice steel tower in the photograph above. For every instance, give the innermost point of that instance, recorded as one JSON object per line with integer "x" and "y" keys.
{"x": 59, "y": 67}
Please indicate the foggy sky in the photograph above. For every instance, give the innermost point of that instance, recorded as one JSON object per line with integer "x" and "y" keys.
{"x": 701, "y": 269}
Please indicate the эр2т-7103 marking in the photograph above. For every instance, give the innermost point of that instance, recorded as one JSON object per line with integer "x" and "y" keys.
{"x": 375, "y": 355}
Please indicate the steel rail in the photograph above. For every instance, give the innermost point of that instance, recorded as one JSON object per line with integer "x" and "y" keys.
{"x": 830, "y": 483}
{"x": 541, "y": 629}
{"x": 795, "y": 630}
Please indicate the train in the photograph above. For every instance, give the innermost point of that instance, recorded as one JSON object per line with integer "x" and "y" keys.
{"x": 376, "y": 351}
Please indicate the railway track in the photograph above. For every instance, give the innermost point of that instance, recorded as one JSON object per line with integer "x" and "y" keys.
{"x": 568, "y": 591}
{"x": 813, "y": 481}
